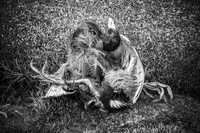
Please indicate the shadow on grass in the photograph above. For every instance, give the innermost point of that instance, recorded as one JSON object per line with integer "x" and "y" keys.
{"x": 67, "y": 114}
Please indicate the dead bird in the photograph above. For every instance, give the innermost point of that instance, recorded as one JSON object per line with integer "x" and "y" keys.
{"x": 85, "y": 57}
{"x": 123, "y": 83}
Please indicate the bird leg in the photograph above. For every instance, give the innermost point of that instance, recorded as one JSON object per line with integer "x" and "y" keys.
{"x": 57, "y": 79}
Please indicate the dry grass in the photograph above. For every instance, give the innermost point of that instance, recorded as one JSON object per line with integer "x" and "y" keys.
{"x": 165, "y": 33}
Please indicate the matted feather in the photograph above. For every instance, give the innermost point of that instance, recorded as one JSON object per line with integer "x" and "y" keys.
{"x": 129, "y": 78}
{"x": 120, "y": 79}
{"x": 84, "y": 58}
{"x": 117, "y": 104}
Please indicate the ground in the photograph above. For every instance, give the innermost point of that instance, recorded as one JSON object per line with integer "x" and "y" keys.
{"x": 67, "y": 115}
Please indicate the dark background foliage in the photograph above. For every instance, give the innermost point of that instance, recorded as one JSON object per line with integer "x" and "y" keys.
{"x": 166, "y": 34}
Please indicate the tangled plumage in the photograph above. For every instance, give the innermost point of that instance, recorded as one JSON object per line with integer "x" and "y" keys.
{"x": 110, "y": 60}
{"x": 85, "y": 56}
{"x": 106, "y": 68}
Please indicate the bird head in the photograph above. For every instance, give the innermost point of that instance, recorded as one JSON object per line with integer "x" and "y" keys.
{"x": 111, "y": 39}
{"x": 87, "y": 37}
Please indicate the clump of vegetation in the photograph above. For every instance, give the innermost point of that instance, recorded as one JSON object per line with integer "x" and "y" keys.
{"x": 166, "y": 35}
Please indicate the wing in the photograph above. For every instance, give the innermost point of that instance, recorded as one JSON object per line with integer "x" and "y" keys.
{"x": 133, "y": 65}
{"x": 128, "y": 79}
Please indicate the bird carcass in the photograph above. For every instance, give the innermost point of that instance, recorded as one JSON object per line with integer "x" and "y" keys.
{"x": 126, "y": 78}
{"x": 83, "y": 65}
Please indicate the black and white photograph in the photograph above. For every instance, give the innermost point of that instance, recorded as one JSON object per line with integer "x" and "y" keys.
{"x": 100, "y": 66}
